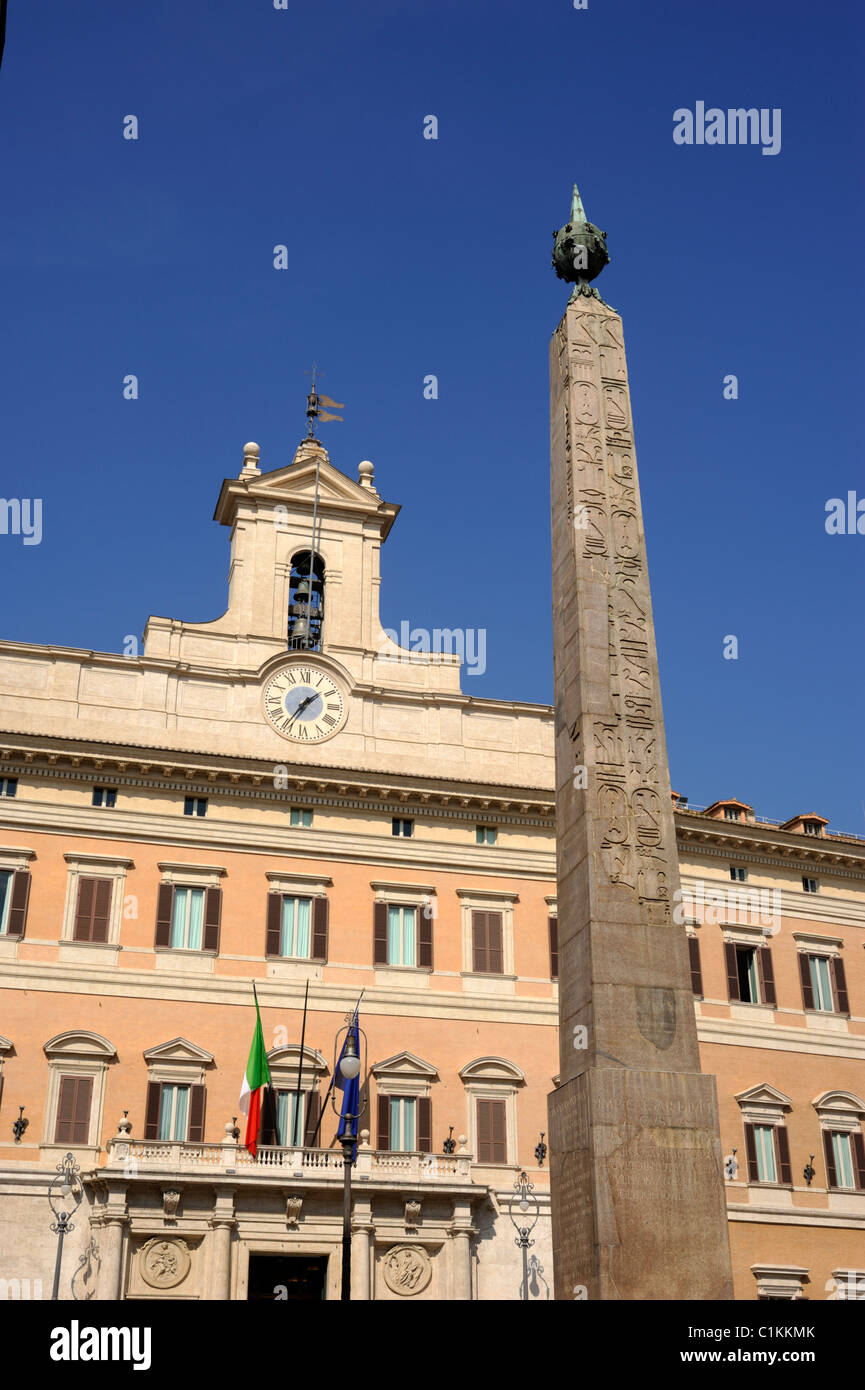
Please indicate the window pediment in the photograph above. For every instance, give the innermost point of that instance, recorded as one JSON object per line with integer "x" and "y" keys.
{"x": 178, "y": 1051}
{"x": 841, "y": 1109}
{"x": 495, "y": 1069}
{"x": 764, "y": 1104}
{"x": 284, "y": 1063}
{"x": 404, "y": 1064}
{"x": 79, "y": 1043}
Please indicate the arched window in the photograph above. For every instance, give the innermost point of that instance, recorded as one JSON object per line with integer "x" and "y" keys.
{"x": 306, "y": 602}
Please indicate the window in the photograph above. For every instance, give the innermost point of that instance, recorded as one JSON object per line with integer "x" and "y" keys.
{"x": 405, "y": 1124}
{"x": 74, "y": 1104}
{"x": 78, "y": 1062}
{"x": 844, "y": 1151}
{"x": 291, "y": 1118}
{"x": 92, "y": 909}
{"x": 492, "y": 1142}
{"x": 768, "y": 1151}
{"x": 195, "y": 806}
{"x": 300, "y": 817}
{"x": 487, "y": 955}
{"x": 402, "y": 1123}
{"x": 5, "y": 899}
{"x": 401, "y": 935}
{"x": 402, "y": 928}
{"x": 8, "y": 786}
{"x": 750, "y": 977}
{"x": 731, "y": 813}
{"x": 187, "y": 919}
{"x": 105, "y": 796}
{"x": 737, "y": 874}
{"x": 809, "y": 885}
{"x": 173, "y": 1112}
{"x": 553, "y": 931}
{"x": 14, "y": 895}
{"x": 486, "y": 835}
{"x": 811, "y": 827}
{"x": 402, "y": 827}
{"x": 294, "y": 927}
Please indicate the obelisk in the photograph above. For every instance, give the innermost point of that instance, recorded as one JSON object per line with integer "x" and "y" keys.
{"x": 635, "y": 1157}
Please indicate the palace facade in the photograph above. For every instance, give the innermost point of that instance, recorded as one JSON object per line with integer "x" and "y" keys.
{"x": 283, "y": 796}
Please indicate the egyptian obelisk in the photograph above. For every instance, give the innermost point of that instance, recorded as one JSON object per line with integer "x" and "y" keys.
{"x": 635, "y": 1156}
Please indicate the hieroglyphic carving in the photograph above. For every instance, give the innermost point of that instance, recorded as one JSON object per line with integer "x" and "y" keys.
{"x": 602, "y": 485}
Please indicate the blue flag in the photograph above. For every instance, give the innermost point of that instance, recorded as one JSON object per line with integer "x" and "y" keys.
{"x": 348, "y": 1111}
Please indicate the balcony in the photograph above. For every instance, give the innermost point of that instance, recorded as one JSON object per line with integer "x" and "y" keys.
{"x": 143, "y": 1158}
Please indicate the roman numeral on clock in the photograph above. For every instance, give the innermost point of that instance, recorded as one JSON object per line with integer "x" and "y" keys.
{"x": 329, "y": 720}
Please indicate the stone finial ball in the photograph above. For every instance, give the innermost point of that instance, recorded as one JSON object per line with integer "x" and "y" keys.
{"x": 253, "y": 449}
{"x": 365, "y": 469}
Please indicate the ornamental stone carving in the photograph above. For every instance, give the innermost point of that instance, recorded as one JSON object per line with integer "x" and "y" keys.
{"x": 163, "y": 1264}
{"x": 407, "y": 1269}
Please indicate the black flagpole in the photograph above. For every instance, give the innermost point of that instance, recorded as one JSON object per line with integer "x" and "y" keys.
{"x": 333, "y": 1078}
{"x": 298, "y": 1110}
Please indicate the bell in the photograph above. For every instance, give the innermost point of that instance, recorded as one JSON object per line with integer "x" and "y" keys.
{"x": 302, "y": 590}
{"x": 300, "y": 630}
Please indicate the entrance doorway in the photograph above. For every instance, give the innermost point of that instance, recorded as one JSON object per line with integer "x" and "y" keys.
{"x": 291, "y": 1278}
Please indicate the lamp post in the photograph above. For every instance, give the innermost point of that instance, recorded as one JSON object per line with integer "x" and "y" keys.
{"x": 65, "y": 1187}
{"x": 349, "y": 1066}
{"x": 526, "y": 1192}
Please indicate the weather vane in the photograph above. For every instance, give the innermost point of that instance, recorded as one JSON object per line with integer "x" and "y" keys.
{"x": 314, "y": 402}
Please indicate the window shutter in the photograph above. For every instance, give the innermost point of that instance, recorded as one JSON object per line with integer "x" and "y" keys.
{"x": 696, "y": 971}
{"x": 274, "y": 922}
{"x": 151, "y": 1110}
{"x": 425, "y": 940}
{"x": 267, "y": 1128}
{"x": 164, "y": 905}
{"x": 784, "y": 1174}
{"x": 751, "y": 1151}
{"x": 196, "y": 1107}
{"x": 18, "y": 904}
{"x": 479, "y": 941}
{"x": 839, "y": 979}
{"x": 319, "y": 928}
{"x": 384, "y": 1122}
{"x": 65, "y": 1109}
{"x": 498, "y": 1127}
{"x": 313, "y": 1110}
{"x": 484, "y": 1131}
{"x": 858, "y": 1142}
{"x": 379, "y": 935}
{"x": 101, "y": 909}
{"x": 495, "y": 954}
{"x": 767, "y": 976}
{"x": 828, "y": 1155}
{"x": 84, "y": 909}
{"x": 423, "y": 1115}
{"x": 553, "y": 925}
{"x": 805, "y": 977}
{"x": 212, "y": 915}
{"x": 732, "y": 970}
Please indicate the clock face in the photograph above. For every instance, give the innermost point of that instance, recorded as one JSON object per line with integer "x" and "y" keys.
{"x": 304, "y": 703}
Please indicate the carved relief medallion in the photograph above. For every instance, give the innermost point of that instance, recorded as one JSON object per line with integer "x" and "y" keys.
{"x": 407, "y": 1269}
{"x": 164, "y": 1263}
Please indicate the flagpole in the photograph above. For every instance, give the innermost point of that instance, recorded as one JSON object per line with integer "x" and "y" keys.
{"x": 300, "y": 1069}
{"x": 333, "y": 1078}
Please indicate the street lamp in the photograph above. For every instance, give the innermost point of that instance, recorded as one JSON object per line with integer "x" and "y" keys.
{"x": 348, "y": 1064}
{"x": 64, "y": 1188}
{"x": 527, "y": 1196}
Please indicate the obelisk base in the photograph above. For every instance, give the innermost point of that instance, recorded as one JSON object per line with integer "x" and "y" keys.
{"x": 637, "y": 1187}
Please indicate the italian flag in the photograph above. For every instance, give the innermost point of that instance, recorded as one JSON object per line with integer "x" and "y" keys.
{"x": 256, "y": 1077}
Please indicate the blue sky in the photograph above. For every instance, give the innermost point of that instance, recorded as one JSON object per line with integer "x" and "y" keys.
{"x": 408, "y": 257}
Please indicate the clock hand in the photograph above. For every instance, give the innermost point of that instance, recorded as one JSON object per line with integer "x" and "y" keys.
{"x": 301, "y": 707}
